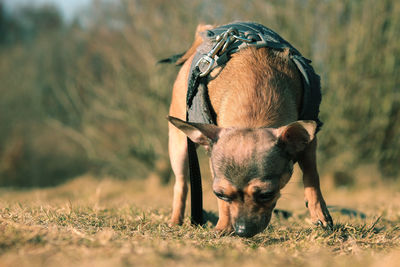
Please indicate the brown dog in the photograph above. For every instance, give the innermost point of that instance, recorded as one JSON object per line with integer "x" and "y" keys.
{"x": 256, "y": 98}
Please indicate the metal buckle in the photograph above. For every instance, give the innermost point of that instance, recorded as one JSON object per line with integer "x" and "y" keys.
{"x": 205, "y": 60}
{"x": 224, "y": 40}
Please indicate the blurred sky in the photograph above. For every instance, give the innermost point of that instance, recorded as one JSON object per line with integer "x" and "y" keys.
{"x": 68, "y": 7}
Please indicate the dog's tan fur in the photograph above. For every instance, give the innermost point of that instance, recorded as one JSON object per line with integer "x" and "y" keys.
{"x": 258, "y": 93}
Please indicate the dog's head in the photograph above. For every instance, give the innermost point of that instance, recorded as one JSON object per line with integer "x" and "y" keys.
{"x": 250, "y": 166}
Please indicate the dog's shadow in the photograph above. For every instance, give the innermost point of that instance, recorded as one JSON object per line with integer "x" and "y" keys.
{"x": 212, "y": 217}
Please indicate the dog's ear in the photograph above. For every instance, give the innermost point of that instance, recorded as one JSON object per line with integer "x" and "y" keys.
{"x": 295, "y": 136}
{"x": 200, "y": 133}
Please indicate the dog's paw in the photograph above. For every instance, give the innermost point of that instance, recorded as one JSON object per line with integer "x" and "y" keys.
{"x": 174, "y": 222}
{"x": 319, "y": 214}
{"x": 223, "y": 227}
{"x": 220, "y": 231}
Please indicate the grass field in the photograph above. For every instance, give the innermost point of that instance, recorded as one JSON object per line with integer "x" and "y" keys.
{"x": 108, "y": 222}
{"x": 88, "y": 98}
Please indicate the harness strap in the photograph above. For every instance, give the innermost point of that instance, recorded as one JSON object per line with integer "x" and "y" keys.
{"x": 196, "y": 192}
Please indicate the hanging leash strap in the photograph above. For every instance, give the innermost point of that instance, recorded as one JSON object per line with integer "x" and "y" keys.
{"x": 196, "y": 192}
{"x": 197, "y": 83}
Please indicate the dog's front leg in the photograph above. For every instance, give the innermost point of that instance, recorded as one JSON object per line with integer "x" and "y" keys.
{"x": 224, "y": 221}
{"x": 312, "y": 192}
{"x": 179, "y": 162}
{"x": 224, "y": 218}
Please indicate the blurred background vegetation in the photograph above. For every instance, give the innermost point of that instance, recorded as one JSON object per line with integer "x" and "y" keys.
{"x": 86, "y": 95}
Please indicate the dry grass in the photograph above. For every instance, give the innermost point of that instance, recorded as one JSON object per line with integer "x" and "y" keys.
{"x": 93, "y": 99}
{"x": 90, "y": 222}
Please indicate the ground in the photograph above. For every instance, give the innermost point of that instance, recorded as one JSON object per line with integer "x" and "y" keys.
{"x": 108, "y": 222}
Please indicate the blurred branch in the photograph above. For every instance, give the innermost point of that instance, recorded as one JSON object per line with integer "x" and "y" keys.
{"x": 76, "y": 136}
{"x": 96, "y": 82}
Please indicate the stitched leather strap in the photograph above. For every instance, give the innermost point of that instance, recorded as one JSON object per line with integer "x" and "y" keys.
{"x": 196, "y": 192}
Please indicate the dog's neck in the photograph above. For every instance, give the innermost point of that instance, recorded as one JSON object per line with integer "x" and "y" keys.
{"x": 259, "y": 88}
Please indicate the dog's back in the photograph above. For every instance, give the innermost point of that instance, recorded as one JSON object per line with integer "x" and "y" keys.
{"x": 258, "y": 87}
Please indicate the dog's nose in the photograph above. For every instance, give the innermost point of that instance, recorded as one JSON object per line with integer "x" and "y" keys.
{"x": 245, "y": 229}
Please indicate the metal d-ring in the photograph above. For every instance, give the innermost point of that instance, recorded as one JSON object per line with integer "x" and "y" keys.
{"x": 224, "y": 40}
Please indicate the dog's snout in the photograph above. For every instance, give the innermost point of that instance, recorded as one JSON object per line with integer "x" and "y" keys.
{"x": 245, "y": 229}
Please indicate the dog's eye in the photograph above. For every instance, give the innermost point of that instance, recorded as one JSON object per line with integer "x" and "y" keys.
{"x": 264, "y": 196}
{"x": 222, "y": 196}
